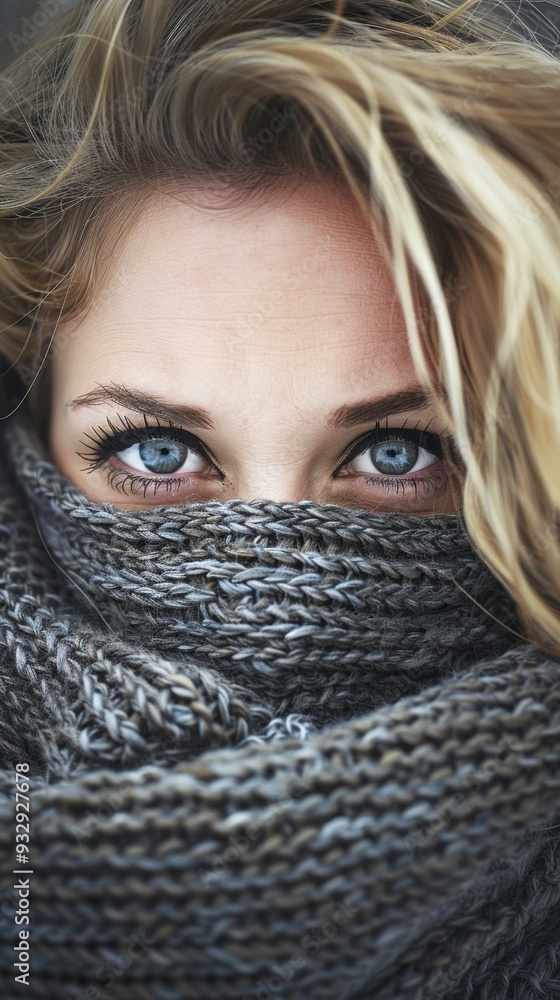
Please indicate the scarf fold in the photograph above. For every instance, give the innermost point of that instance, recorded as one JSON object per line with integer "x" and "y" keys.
{"x": 274, "y": 749}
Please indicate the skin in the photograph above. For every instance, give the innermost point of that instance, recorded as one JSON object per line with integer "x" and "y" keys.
{"x": 271, "y": 315}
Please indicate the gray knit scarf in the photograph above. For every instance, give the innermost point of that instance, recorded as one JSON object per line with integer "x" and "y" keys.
{"x": 274, "y": 750}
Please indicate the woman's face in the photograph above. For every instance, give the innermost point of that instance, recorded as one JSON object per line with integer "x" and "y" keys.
{"x": 249, "y": 352}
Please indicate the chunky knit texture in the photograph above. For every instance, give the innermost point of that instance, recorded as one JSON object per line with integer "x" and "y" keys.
{"x": 276, "y": 750}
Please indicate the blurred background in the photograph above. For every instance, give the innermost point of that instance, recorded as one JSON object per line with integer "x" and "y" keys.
{"x": 10, "y": 10}
{"x": 21, "y": 21}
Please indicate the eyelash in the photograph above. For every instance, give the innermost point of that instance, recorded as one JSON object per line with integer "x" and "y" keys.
{"x": 103, "y": 443}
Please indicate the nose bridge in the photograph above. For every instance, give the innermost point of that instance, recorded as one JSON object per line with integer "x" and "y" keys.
{"x": 272, "y": 453}
{"x": 282, "y": 482}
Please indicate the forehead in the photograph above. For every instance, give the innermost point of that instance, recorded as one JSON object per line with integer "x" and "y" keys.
{"x": 294, "y": 281}
{"x": 306, "y": 229}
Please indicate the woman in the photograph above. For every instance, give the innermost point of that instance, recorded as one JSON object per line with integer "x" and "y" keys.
{"x": 279, "y": 532}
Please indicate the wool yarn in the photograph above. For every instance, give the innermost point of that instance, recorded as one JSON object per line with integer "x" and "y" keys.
{"x": 275, "y": 750}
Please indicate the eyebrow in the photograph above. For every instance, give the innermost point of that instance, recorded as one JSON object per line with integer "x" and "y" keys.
{"x": 414, "y": 398}
{"x": 133, "y": 399}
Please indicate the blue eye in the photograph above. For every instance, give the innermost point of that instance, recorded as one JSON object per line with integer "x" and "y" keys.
{"x": 162, "y": 456}
{"x": 161, "y": 450}
{"x": 394, "y": 451}
{"x": 393, "y": 458}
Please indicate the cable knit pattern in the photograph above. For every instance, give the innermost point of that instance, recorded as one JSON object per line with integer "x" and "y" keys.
{"x": 276, "y": 750}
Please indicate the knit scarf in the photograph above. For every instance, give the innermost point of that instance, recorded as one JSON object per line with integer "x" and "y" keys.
{"x": 270, "y": 750}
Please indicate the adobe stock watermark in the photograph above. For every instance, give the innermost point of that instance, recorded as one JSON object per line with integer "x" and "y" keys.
{"x": 30, "y": 27}
{"x": 269, "y": 132}
{"x": 426, "y": 829}
{"x": 452, "y": 289}
{"x": 452, "y": 975}
{"x": 310, "y": 945}
{"x": 134, "y": 100}
{"x": 288, "y": 282}
{"x": 457, "y": 968}
{"x": 239, "y": 843}
{"x": 108, "y": 974}
{"x": 460, "y": 112}
{"x": 110, "y": 804}
{"x": 546, "y": 539}
{"x": 532, "y": 211}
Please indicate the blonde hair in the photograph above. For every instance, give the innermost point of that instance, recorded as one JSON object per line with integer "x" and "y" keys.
{"x": 444, "y": 122}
